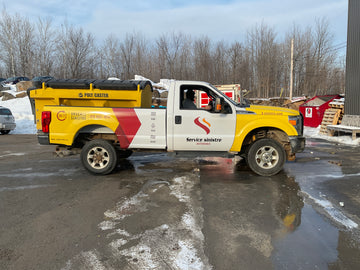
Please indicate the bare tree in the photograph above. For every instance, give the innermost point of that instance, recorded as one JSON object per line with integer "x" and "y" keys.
{"x": 76, "y": 52}
{"x": 8, "y": 44}
{"x": 220, "y": 63}
{"x": 127, "y": 51}
{"x": 141, "y": 55}
{"x": 202, "y": 59}
{"x": 44, "y": 51}
{"x": 323, "y": 56}
{"x": 172, "y": 49}
{"x": 263, "y": 48}
{"x": 25, "y": 40}
{"x": 111, "y": 58}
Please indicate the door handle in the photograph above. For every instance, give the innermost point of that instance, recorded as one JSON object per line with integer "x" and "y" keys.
{"x": 178, "y": 119}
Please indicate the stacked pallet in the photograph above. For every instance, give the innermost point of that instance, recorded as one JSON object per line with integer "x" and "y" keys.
{"x": 332, "y": 116}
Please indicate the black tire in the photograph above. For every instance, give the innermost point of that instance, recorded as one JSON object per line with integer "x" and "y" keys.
{"x": 5, "y": 132}
{"x": 99, "y": 157}
{"x": 266, "y": 157}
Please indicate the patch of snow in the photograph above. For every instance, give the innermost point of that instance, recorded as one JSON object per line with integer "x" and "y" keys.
{"x": 334, "y": 213}
{"x": 186, "y": 258}
{"x": 107, "y": 225}
{"x": 179, "y": 187}
{"x": 142, "y": 257}
{"x": 88, "y": 260}
{"x": 128, "y": 207}
{"x": 21, "y": 110}
{"x": 164, "y": 84}
{"x": 178, "y": 245}
{"x": 92, "y": 260}
{"x": 315, "y": 133}
{"x": 12, "y": 154}
{"x": 24, "y": 187}
{"x": 116, "y": 244}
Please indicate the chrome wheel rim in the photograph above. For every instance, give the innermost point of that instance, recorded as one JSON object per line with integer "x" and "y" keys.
{"x": 267, "y": 157}
{"x": 98, "y": 157}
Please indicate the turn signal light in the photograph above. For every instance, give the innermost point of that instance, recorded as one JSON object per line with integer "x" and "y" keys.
{"x": 292, "y": 122}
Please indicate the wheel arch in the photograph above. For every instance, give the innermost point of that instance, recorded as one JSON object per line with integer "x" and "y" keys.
{"x": 267, "y": 132}
{"x": 94, "y": 131}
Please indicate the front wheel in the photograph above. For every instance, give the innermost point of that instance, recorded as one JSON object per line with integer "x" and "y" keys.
{"x": 99, "y": 157}
{"x": 5, "y": 132}
{"x": 266, "y": 157}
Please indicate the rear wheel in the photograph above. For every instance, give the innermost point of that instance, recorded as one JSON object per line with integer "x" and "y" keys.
{"x": 99, "y": 157}
{"x": 5, "y": 131}
{"x": 266, "y": 157}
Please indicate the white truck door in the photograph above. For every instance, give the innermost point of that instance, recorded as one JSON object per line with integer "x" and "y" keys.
{"x": 200, "y": 129}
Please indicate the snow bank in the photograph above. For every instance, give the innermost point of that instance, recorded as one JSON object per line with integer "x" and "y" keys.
{"x": 315, "y": 133}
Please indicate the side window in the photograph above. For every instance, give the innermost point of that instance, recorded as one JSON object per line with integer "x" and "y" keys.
{"x": 193, "y": 97}
{"x": 187, "y": 99}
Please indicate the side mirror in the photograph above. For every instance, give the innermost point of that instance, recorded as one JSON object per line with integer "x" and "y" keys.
{"x": 218, "y": 104}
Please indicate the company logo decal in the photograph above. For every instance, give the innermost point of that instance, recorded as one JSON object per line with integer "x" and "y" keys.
{"x": 204, "y": 124}
{"x": 61, "y": 115}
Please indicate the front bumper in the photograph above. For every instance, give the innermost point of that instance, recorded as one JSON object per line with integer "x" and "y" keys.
{"x": 297, "y": 144}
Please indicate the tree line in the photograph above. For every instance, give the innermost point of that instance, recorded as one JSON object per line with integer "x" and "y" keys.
{"x": 260, "y": 63}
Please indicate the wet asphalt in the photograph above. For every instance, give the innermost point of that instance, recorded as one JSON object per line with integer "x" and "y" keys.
{"x": 172, "y": 212}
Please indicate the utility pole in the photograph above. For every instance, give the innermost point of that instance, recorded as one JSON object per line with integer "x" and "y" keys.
{"x": 291, "y": 68}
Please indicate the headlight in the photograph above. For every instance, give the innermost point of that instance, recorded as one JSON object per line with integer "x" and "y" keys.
{"x": 297, "y": 122}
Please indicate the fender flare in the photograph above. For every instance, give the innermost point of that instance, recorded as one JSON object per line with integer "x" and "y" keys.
{"x": 243, "y": 131}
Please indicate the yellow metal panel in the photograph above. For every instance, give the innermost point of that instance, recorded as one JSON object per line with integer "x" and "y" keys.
{"x": 92, "y": 97}
{"x": 67, "y": 121}
{"x": 264, "y": 116}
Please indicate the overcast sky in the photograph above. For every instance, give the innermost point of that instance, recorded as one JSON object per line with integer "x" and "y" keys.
{"x": 218, "y": 19}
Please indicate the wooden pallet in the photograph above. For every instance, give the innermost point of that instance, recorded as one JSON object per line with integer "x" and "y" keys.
{"x": 332, "y": 116}
{"x": 337, "y": 104}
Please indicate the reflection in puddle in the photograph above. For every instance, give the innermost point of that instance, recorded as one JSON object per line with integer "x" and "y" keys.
{"x": 312, "y": 246}
{"x": 289, "y": 204}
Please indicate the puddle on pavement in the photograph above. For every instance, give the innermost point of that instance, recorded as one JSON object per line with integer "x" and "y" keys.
{"x": 316, "y": 244}
{"x": 312, "y": 245}
{"x": 307, "y": 240}
{"x": 147, "y": 163}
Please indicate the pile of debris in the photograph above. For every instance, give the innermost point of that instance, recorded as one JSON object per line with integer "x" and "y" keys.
{"x": 280, "y": 102}
{"x": 20, "y": 88}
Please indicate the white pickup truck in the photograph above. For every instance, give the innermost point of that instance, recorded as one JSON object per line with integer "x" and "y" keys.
{"x": 110, "y": 119}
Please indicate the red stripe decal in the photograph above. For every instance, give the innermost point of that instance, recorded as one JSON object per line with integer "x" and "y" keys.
{"x": 129, "y": 125}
